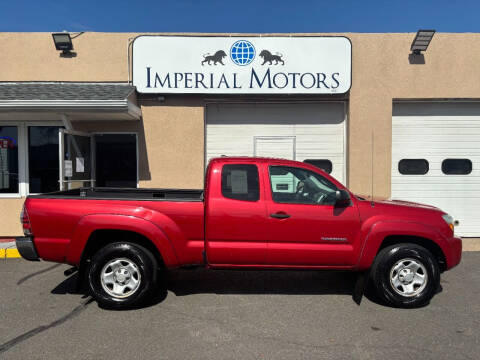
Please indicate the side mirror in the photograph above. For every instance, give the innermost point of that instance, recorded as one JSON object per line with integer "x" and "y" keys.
{"x": 342, "y": 198}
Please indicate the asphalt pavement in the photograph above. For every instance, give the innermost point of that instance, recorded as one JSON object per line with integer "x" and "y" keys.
{"x": 235, "y": 315}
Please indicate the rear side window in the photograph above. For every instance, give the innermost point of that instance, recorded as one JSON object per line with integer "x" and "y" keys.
{"x": 240, "y": 182}
{"x": 324, "y": 164}
{"x": 413, "y": 166}
{"x": 456, "y": 166}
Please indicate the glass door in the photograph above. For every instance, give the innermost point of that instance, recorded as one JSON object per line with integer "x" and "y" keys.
{"x": 77, "y": 159}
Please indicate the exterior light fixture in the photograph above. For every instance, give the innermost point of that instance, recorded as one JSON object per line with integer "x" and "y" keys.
{"x": 63, "y": 42}
{"x": 421, "y": 41}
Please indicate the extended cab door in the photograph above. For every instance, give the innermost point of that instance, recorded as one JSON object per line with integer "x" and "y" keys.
{"x": 306, "y": 227}
{"x": 235, "y": 215}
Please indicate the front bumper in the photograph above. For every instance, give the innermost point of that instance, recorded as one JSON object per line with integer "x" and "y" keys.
{"x": 455, "y": 254}
{"x": 26, "y": 248}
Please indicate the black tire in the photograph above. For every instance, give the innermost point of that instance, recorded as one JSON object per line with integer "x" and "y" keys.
{"x": 144, "y": 270}
{"x": 385, "y": 273}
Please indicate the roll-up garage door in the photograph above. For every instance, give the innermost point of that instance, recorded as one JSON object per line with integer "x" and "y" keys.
{"x": 304, "y": 131}
{"x": 436, "y": 158}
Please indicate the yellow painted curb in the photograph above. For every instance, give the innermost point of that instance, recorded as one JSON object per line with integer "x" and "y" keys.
{"x": 9, "y": 253}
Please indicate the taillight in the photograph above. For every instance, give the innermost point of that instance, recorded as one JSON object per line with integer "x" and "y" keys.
{"x": 27, "y": 227}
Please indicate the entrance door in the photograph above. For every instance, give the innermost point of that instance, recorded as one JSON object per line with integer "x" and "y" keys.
{"x": 77, "y": 160}
{"x": 116, "y": 160}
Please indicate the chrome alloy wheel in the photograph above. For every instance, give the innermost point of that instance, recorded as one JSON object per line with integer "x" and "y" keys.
{"x": 408, "y": 277}
{"x": 120, "y": 278}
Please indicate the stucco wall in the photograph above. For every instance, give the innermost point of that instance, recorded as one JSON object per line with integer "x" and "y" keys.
{"x": 171, "y": 134}
{"x": 100, "y": 57}
{"x": 10, "y": 217}
{"x": 175, "y": 143}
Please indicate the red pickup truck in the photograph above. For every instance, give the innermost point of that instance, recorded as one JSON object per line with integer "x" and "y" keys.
{"x": 254, "y": 213}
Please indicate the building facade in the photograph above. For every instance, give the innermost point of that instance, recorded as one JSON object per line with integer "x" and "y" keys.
{"x": 400, "y": 125}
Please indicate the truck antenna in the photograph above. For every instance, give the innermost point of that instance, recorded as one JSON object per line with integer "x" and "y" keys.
{"x": 371, "y": 197}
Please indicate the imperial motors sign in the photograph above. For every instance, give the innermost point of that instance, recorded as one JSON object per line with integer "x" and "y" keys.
{"x": 242, "y": 65}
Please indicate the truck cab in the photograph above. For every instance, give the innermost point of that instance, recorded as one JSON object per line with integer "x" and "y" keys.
{"x": 277, "y": 213}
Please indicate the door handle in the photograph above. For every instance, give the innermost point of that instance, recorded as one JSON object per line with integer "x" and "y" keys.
{"x": 280, "y": 215}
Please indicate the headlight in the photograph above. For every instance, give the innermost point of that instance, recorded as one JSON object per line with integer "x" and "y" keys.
{"x": 449, "y": 220}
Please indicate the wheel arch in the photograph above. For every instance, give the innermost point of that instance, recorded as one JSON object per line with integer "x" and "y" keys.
{"x": 107, "y": 228}
{"x": 102, "y": 237}
{"x": 426, "y": 243}
{"x": 387, "y": 233}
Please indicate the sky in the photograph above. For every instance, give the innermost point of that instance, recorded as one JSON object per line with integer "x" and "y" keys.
{"x": 241, "y": 16}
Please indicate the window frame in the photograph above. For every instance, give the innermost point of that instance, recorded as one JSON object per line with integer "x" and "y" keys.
{"x": 27, "y": 124}
{"x": 450, "y": 174}
{"x": 407, "y": 159}
{"x": 258, "y": 180}
{"x": 301, "y": 168}
{"x": 23, "y": 158}
{"x": 27, "y": 152}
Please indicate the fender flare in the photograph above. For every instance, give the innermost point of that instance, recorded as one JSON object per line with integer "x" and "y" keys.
{"x": 90, "y": 223}
{"x": 382, "y": 229}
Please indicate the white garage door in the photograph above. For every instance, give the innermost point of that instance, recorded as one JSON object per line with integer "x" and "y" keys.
{"x": 293, "y": 131}
{"x": 436, "y": 157}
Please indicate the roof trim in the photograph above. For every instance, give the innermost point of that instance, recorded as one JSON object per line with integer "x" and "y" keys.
{"x": 123, "y": 106}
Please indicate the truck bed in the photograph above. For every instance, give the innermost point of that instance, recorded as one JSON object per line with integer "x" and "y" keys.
{"x": 99, "y": 193}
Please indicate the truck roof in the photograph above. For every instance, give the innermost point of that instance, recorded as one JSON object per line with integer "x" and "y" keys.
{"x": 252, "y": 159}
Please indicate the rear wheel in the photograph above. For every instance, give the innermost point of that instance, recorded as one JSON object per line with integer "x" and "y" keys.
{"x": 122, "y": 275}
{"x": 405, "y": 275}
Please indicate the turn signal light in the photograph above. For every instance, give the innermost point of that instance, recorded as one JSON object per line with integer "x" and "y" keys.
{"x": 450, "y": 221}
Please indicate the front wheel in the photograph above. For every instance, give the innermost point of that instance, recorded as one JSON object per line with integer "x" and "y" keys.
{"x": 405, "y": 275}
{"x": 122, "y": 275}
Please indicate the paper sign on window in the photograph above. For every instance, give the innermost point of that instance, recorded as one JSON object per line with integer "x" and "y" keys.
{"x": 80, "y": 165}
{"x": 239, "y": 182}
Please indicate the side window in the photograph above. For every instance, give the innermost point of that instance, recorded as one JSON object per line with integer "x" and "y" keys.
{"x": 240, "y": 182}
{"x": 293, "y": 185}
{"x": 324, "y": 164}
{"x": 456, "y": 166}
{"x": 413, "y": 166}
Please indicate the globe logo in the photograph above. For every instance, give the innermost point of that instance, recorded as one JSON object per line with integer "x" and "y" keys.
{"x": 242, "y": 52}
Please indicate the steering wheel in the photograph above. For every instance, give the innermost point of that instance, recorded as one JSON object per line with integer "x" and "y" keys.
{"x": 320, "y": 197}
